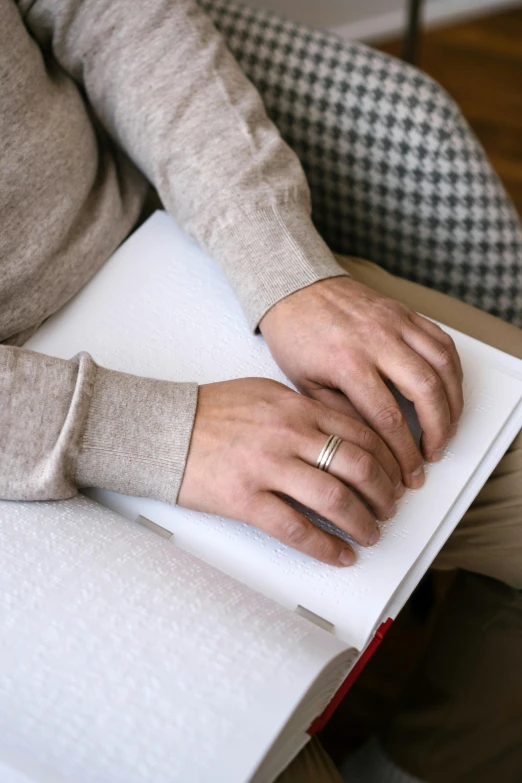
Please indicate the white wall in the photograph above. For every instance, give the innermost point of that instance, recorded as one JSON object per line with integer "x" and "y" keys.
{"x": 374, "y": 19}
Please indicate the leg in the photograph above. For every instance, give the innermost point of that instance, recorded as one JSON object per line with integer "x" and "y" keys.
{"x": 462, "y": 720}
{"x": 396, "y": 174}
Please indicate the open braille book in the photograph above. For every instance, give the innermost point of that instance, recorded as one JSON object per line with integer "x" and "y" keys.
{"x": 199, "y": 649}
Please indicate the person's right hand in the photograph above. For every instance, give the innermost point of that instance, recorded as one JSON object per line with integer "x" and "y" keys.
{"x": 255, "y": 440}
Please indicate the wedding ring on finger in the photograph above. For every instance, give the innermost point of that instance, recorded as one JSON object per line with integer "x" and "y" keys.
{"x": 328, "y": 452}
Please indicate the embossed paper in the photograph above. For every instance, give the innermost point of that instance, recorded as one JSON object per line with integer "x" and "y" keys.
{"x": 161, "y": 307}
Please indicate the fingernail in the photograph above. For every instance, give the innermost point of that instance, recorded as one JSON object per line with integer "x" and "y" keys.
{"x": 347, "y": 557}
{"x": 453, "y": 430}
{"x": 391, "y": 513}
{"x": 437, "y": 455}
{"x": 399, "y": 490}
{"x": 417, "y": 478}
{"x": 374, "y": 537}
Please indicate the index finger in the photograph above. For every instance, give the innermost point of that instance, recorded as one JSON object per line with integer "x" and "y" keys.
{"x": 273, "y": 515}
{"x": 441, "y": 336}
{"x": 439, "y": 350}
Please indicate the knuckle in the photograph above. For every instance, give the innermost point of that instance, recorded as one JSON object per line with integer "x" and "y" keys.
{"x": 288, "y": 407}
{"x": 256, "y": 512}
{"x": 263, "y": 462}
{"x": 304, "y": 407}
{"x": 399, "y": 320}
{"x": 355, "y": 364}
{"x": 366, "y": 467}
{"x": 447, "y": 341}
{"x": 389, "y": 419}
{"x": 305, "y": 403}
{"x": 377, "y": 329}
{"x": 399, "y": 307}
{"x": 294, "y": 532}
{"x": 445, "y": 359}
{"x": 430, "y": 385}
{"x": 335, "y": 498}
{"x": 403, "y": 312}
{"x": 388, "y": 334}
{"x": 368, "y": 440}
{"x": 355, "y": 371}
{"x": 286, "y": 428}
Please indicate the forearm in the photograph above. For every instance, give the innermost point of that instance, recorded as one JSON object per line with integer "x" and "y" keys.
{"x": 69, "y": 424}
{"x": 162, "y": 82}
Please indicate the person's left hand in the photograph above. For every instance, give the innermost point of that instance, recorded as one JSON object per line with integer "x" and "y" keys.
{"x": 338, "y": 341}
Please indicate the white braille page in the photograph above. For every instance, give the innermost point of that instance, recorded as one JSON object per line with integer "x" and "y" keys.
{"x": 161, "y": 307}
{"x": 124, "y": 659}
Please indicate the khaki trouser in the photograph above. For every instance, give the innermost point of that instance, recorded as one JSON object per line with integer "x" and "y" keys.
{"x": 462, "y": 719}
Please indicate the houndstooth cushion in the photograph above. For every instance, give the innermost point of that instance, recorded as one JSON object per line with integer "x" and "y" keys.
{"x": 396, "y": 174}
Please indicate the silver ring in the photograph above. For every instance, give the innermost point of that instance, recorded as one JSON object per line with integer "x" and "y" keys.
{"x": 328, "y": 452}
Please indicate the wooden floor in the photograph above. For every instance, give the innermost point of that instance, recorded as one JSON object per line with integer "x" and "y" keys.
{"x": 480, "y": 64}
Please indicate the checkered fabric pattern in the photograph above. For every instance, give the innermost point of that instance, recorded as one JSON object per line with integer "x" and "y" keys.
{"x": 395, "y": 172}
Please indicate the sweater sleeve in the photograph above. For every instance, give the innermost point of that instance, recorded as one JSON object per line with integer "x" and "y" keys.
{"x": 65, "y": 424}
{"x": 161, "y": 81}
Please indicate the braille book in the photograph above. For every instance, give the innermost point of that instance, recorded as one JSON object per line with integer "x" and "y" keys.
{"x": 145, "y": 643}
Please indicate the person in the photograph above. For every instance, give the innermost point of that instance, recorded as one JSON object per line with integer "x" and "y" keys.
{"x": 100, "y": 100}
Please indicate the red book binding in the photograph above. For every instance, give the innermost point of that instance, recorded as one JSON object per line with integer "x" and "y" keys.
{"x": 321, "y": 720}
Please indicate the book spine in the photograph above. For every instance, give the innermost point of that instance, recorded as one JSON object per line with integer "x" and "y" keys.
{"x": 320, "y": 722}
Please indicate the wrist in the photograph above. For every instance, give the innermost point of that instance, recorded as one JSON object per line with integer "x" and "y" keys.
{"x": 137, "y": 435}
{"x": 271, "y": 253}
{"x": 303, "y": 299}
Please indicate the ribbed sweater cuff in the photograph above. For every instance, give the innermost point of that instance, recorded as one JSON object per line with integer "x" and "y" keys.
{"x": 137, "y": 435}
{"x": 270, "y": 253}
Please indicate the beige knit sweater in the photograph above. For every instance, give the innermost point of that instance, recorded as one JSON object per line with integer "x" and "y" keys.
{"x": 96, "y": 99}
